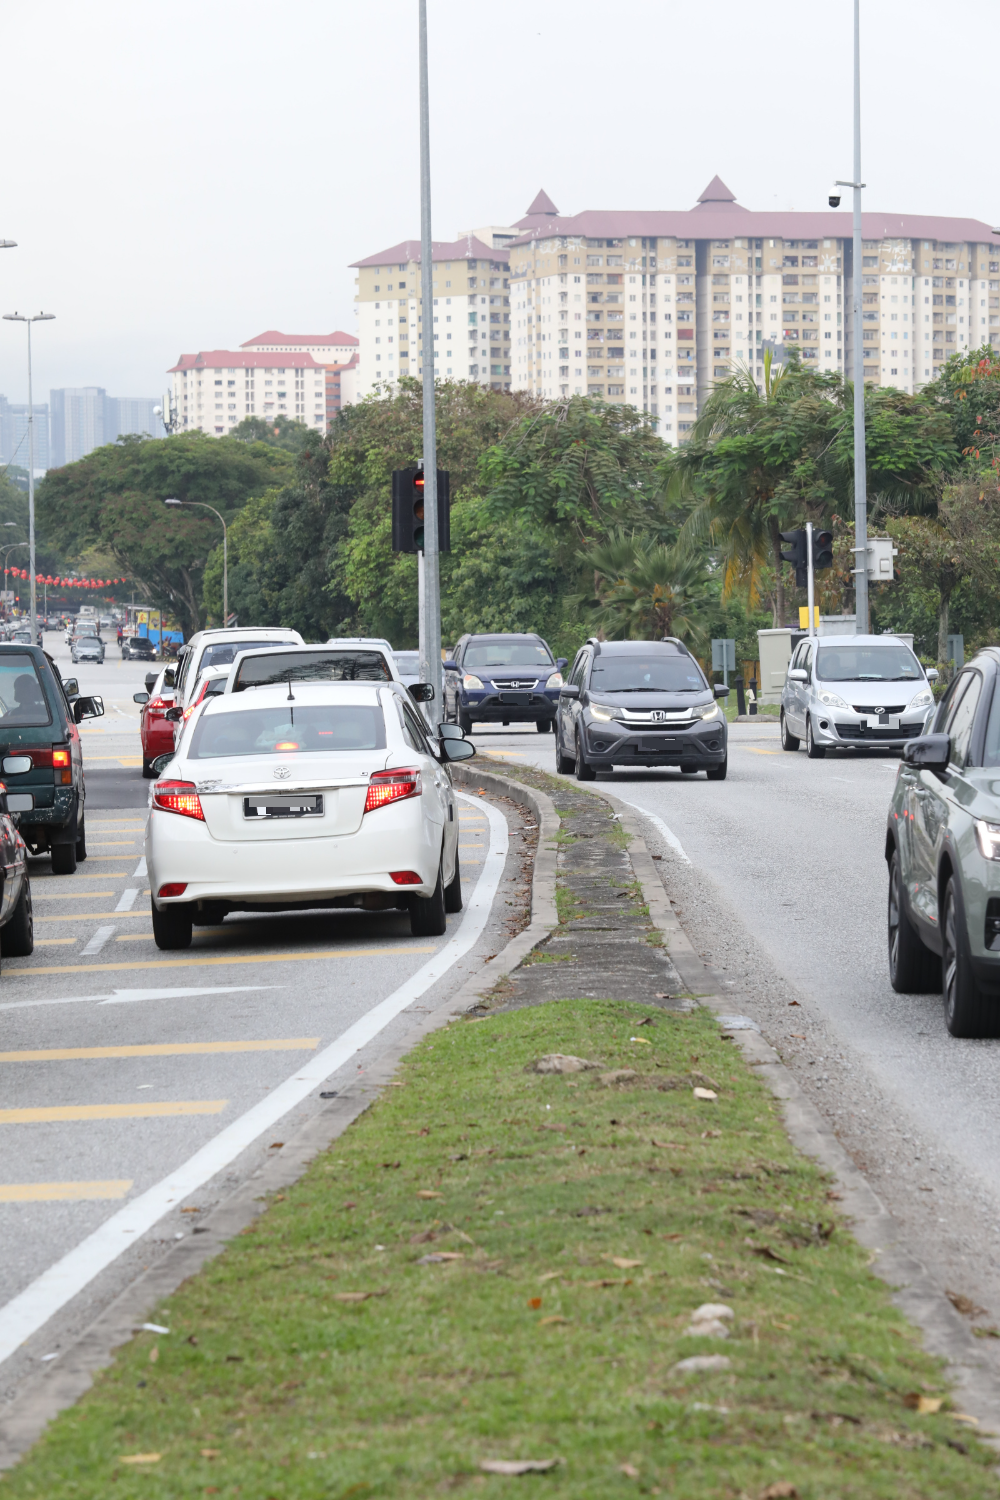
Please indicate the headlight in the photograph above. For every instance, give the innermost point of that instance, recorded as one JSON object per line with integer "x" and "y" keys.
{"x": 470, "y": 680}
{"x": 832, "y": 701}
{"x": 598, "y": 711}
{"x": 710, "y": 711}
{"x": 988, "y": 837}
{"x": 556, "y": 680}
{"x": 922, "y": 700}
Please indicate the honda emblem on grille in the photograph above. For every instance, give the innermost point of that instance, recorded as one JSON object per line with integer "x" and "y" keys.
{"x": 658, "y": 716}
{"x": 282, "y": 772}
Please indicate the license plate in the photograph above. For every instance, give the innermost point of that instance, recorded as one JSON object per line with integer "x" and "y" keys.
{"x": 514, "y": 700}
{"x": 20, "y": 801}
{"x": 294, "y": 805}
{"x": 888, "y": 722}
{"x": 662, "y": 742}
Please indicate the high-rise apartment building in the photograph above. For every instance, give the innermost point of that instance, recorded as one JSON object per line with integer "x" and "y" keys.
{"x": 471, "y": 330}
{"x": 337, "y": 352}
{"x": 652, "y": 308}
{"x": 305, "y": 377}
{"x": 14, "y": 435}
{"x": 83, "y": 418}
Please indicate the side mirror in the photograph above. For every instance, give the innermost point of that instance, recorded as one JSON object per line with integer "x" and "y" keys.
{"x": 451, "y": 666}
{"x": 721, "y": 691}
{"x": 929, "y": 753}
{"x": 88, "y": 708}
{"x": 932, "y": 674}
{"x": 150, "y": 681}
{"x": 71, "y": 687}
{"x": 16, "y": 765}
{"x": 450, "y": 732}
{"x": 796, "y": 674}
{"x": 140, "y": 697}
{"x": 562, "y": 662}
{"x": 569, "y": 690}
{"x": 160, "y": 764}
{"x": 421, "y": 692}
{"x": 175, "y": 715}
{"x": 457, "y": 750}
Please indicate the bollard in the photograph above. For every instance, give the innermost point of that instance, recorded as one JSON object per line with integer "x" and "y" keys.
{"x": 753, "y": 690}
{"x": 741, "y": 702}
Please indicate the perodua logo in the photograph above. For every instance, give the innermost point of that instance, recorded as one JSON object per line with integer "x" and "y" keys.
{"x": 880, "y": 712}
{"x": 282, "y": 772}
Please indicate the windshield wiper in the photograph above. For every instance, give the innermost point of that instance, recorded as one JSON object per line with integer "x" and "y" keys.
{"x": 650, "y": 690}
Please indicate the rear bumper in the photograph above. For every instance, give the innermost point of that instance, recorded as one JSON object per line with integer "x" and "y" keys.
{"x": 55, "y": 823}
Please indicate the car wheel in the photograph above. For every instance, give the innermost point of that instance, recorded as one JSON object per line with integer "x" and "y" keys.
{"x": 967, "y": 1011}
{"x": 427, "y": 913}
{"x": 814, "y": 751}
{"x": 81, "y": 841}
{"x": 913, "y": 969}
{"x": 718, "y": 773}
{"x": 789, "y": 741}
{"x": 64, "y": 858}
{"x": 565, "y": 764}
{"x": 172, "y": 926}
{"x": 464, "y": 722}
{"x": 583, "y": 770}
{"x": 18, "y": 937}
{"x": 147, "y": 769}
{"x": 453, "y": 890}
{"x": 543, "y": 726}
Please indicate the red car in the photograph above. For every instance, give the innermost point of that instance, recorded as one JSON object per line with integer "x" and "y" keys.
{"x": 155, "y": 730}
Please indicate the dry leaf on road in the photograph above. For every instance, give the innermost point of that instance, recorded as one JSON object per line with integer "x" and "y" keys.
{"x": 964, "y": 1305}
{"x": 518, "y": 1465}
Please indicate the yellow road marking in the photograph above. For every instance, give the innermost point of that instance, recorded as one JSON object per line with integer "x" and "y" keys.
{"x": 224, "y": 958}
{"x": 114, "y": 844}
{"x": 163, "y": 1049}
{"x": 134, "y": 937}
{"x": 470, "y": 846}
{"x": 46, "y": 1114}
{"x": 39, "y": 895}
{"x": 128, "y": 760}
{"x": 93, "y": 916}
{"x": 754, "y": 751}
{"x": 63, "y": 1192}
{"x": 52, "y": 942}
{"x": 505, "y": 754}
{"x": 108, "y": 858}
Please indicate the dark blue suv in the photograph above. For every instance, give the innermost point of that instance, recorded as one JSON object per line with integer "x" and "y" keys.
{"x": 502, "y": 679}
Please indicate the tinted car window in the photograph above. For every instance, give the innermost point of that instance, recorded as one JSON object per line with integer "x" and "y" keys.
{"x": 505, "y": 653}
{"x": 891, "y": 662}
{"x": 225, "y": 653}
{"x": 412, "y": 730}
{"x": 289, "y": 728}
{"x": 960, "y": 722}
{"x": 646, "y": 674}
{"x": 312, "y": 666}
{"x": 22, "y": 701}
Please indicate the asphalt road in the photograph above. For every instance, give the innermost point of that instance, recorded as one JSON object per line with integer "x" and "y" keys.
{"x": 779, "y": 877}
{"x": 127, "y": 1071}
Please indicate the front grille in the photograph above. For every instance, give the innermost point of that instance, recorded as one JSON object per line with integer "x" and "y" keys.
{"x": 516, "y": 684}
{"x": 889, "y": 708}
{"x": 658, "y": 726}
{"x": 855, "y": 732}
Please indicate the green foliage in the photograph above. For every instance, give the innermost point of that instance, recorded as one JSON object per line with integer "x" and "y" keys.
{"x": 968, "y": 389}
{"x": 113, "y": 500}
{"x": 279, "y": 432}
{"x": 646, "y": 590}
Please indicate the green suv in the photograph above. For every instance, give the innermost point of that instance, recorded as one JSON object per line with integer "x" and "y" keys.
{"x": 942, "y": 847}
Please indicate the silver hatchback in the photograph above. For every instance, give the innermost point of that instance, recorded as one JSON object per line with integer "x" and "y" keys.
{"x": 852, "y": 692}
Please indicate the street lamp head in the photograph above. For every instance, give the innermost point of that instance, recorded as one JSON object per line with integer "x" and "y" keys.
{"x": 8, "y": 244}
{"x": 10, "y": 523}
{"x": 14, "y": 317}
{"x": 172, "y": 501}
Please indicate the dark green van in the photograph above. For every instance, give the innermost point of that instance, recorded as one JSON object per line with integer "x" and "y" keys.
{"x": 41, "y": 760}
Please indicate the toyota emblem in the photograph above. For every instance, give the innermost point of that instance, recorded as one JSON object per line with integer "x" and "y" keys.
{"x": 282, "y": 772}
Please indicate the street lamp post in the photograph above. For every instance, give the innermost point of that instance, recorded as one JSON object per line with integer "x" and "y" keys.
{"x": 42, "y": 317}
{"x": 225, "y": 551}
{"x": 12, "y": 548}
{"x": 430, "y": 611}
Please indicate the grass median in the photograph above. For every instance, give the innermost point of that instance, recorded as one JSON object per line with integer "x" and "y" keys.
{"x": 495, "y": 1265}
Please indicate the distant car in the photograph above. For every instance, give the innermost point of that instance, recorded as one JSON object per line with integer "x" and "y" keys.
{"x": 137, "y": 648}
{"x": 502, "y": 679}
{"x": 852, "y": 692}
{"x": 639, "y": 703}
{"x": 156, "y": 731}
{"x": 21, "y": 636}
{"x": 408, "y": 666}
{"x": 219, "y": 648}
{"x": 107, "y": 621}
{"x": 87, "y": 648}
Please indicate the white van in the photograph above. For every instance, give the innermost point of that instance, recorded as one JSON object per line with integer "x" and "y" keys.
{"x": 219, "y": 648}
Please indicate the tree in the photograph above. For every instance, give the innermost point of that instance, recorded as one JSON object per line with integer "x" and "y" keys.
{"x": 276, "y": 432}
{"x": 968, "y": 389}
{"x": 113, "y": 500}
{"x": 647, "y": 590}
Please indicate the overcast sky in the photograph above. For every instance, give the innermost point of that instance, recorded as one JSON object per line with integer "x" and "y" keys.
{"x": 182, "y": 177}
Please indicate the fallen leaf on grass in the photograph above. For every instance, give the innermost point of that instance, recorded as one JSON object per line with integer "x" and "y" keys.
{"x": 518, "y": 1465}
{"x": 609, "y": 1281}
{"x": 389, "y": 1165}
{"x": 154, "y": 1354}
{"x": 550, "y": 1275}
{"x": 140, "y": 1458}
{"x": 534, "y": 1302}
{"x": 428, "y": 1193}
{"x": 767, "y": 1252}
{"x": 629, "y": 1470}
{"x": 437, "y": 1256}
{"x": 210, "y": 1452}
{"x": 677, "y": 1236}
{"x": 647, "y": 1021}
{"x": 553, "y": 1318}
{"x": 641, "y": 1040}
{"x": 359, "y": 1296}
{"x": 784, "y": 1489}
{"x": 560, "y": 1062}
{"x": 621, "y": 1262}
{"x": 962, "y": 1416}
{"x": 554, "y": 1127}
{"x": 700, "y": 1093}
{"x": 423, "y": 1237}
{"x": 923, "y": 1405}
{"x": 964, "y": 1305}
{"x": 667, "y": 1145}
{"x": 234, "y": 1359}
{"x": 698, "y": 1362}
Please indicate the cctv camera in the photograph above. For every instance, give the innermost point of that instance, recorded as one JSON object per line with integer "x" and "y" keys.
{"x": 834, "y": 200}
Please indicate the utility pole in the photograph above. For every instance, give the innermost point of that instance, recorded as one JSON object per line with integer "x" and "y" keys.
{"x": 42, "y": 317}
{"x": 860, "y": 476}
{"x": 430, "y": 615}
{"x": 810, "y": 577}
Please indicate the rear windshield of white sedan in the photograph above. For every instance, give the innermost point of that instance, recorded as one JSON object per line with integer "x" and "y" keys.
{"x": 288, "y": 729}
{"x": 311, "y": 666}
{"x": 893, "y": 662}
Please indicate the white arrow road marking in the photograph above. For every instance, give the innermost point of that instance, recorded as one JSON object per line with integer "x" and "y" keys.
{"x": 31, "y": 1309}
{"x": 126, "y": 997}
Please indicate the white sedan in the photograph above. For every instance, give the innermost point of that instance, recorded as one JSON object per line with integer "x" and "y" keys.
{"x": 305, "y": 796}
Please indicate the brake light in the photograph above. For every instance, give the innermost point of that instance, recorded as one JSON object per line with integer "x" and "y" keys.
{"x": 178, "y": 797}
{"x": 391, "y": 786}
{"x": 62, "y": 766}
{"x": 405, "y": 877}
{"x": 161, "y": 703}
{"x": 172, "y": 888}
{"x": 60, "y": 757}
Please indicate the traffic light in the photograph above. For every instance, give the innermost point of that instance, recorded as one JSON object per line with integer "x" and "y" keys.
{"x": 822, "y": 550}
{"x": 797, "y": 556}
{"x": 408, "y": 510}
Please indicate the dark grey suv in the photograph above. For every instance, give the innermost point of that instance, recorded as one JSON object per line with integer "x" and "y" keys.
{"x": 639, "y": 703}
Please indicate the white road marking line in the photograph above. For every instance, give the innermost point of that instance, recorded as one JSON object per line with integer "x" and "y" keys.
{"x": 127, "y": 899}
{"x": 31, "y": 1309}
{"x": 130, "y": 997}
{"x": 140, "y": 872}
{"x": 670, "y": 837}
{"x": 97, "y": 941}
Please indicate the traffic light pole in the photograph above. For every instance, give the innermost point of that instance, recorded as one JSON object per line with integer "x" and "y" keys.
{"x": 810, "y": 577}
{"x": 430, "y": 619}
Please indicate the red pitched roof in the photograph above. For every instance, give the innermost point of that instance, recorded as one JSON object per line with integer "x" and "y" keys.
{"x": 717, "y": 193}
{"x": 272, "y": 336}
{"x": 543, "y": 204}
{"x": 223, "y": 359}
{"x": 467, "y": 248}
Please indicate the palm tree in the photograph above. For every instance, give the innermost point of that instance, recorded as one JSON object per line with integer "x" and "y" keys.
{"x": 645, "y": 590}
